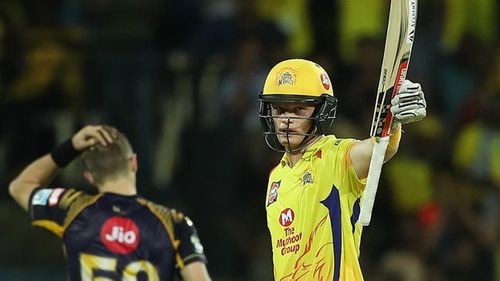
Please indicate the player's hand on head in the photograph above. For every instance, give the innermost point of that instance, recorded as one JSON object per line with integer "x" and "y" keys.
{"x": 90, "y": 135}
{"x": 409, "y": 104}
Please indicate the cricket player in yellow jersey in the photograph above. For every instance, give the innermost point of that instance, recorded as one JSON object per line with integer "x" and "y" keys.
{"x": 313, "y": 194}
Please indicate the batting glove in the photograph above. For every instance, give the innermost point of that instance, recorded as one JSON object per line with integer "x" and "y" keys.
{"x": 408, "y": 105}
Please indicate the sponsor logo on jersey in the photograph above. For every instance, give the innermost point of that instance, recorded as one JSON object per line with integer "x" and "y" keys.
{"x": 290, "y": 243}
{"x": 120, "y": 235}
{"x": 273, "y": 193}
{"x": 325, "y": 80}
{"x": 286, "y": 217}
{"x": 41, "y": 197}
{"x": 307, "y": 178}
{"x": 54, "y": 197}
{"x": 198, "y": 248}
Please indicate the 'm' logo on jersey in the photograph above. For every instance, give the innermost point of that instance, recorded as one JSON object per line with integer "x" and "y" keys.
{"x": 120, "y": 235}
{"x": 273, "y": 193}
{"x": 286, "y": 217}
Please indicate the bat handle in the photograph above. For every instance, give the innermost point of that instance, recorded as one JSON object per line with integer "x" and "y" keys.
{"x": 376, "y": 163}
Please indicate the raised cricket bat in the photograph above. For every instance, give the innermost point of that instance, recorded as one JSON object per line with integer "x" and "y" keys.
{"x": 398, "y": 43}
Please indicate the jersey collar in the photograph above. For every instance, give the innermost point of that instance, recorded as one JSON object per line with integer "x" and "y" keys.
{"x": 312, "y": 151}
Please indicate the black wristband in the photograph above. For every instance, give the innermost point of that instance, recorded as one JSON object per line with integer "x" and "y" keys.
{"x": 64, "y": 154}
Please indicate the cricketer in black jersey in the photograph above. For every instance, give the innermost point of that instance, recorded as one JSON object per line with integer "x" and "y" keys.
{"x": 115, "y": 236}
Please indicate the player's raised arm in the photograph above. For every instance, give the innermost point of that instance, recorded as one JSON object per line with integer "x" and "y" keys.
{"x": 361, "y": 152}
{"x": 407, "y": 106}
{"x": 41, "y": 171}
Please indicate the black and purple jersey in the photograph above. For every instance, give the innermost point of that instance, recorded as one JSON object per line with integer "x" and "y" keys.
{"x": 115, "y": 237}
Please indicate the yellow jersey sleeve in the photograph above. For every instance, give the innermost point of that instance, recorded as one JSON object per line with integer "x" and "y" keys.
{"x": 345, "y": 176}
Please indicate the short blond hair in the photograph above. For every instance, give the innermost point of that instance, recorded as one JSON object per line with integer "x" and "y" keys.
{"x": 111, "y": 161}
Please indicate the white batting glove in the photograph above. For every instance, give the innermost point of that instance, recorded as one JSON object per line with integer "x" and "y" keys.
{"x": 408, "y": 105}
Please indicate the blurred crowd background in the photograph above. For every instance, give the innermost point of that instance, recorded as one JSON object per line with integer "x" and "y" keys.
{"x": 181, "y": 79}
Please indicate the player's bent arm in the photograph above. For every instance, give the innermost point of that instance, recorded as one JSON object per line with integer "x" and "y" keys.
{"x": 195, "y": 271}
{"x": 39, "y": 173}
{"x": 361, "y": 152}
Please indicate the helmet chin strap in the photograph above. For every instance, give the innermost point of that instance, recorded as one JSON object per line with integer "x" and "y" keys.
{"x": 272, "y": 137}
{"x": 308, "y": 139}
{"x": 273, "y": 143}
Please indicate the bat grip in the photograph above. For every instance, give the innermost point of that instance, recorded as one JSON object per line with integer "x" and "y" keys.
{"x": 376, "y": 163}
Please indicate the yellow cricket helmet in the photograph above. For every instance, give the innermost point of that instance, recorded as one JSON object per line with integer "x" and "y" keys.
{"x": 297, "y": 81}
{"x": 298, "y": 77}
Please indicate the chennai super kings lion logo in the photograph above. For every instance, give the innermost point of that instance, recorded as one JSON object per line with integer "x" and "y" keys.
{"x": 286, "y": 76}
{"x": 307, "y": 178}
